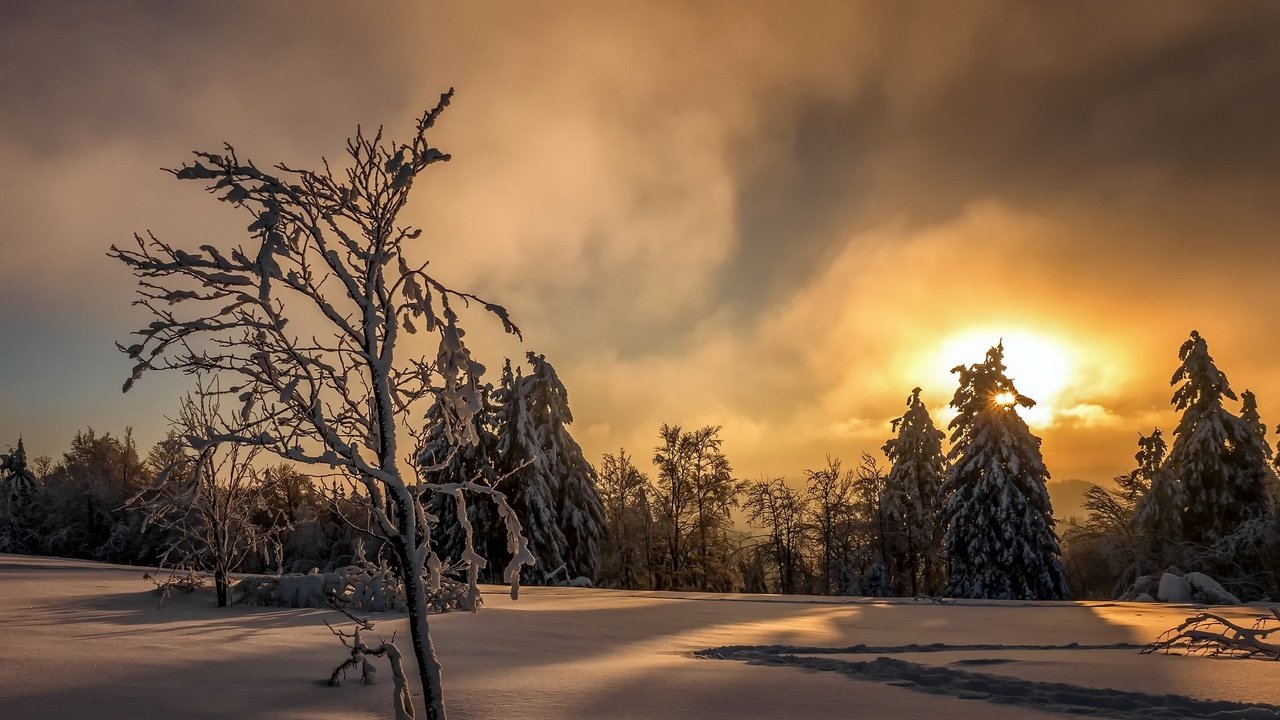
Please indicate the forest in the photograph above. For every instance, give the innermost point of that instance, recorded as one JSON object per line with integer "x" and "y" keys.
{"x": 915, "y": 520}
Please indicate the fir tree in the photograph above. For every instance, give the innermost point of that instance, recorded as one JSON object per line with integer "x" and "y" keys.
{"x": 1253, "y": 457}
{"x": 17, "y": 514}
{"x": 1158, "y": 514}
{"x": 912, "y": 495}
{"x": 525, "y": 478}
{"x": 579, "y": 512}
{"x": 1215, "y": 454}
{"x": 1000, "y": 537}
{"x": 15, "y": 477}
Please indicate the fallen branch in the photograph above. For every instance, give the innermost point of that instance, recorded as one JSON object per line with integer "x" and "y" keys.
{"x": 1211, "y": 635}
{"x": 402, "y": 702}
{"x": 183, "y": 580}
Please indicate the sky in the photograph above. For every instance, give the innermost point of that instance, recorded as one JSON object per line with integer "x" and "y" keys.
{"x": 776, "y": 217}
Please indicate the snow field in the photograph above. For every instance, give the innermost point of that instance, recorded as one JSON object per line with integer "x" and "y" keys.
{"x": 87, "y": 640}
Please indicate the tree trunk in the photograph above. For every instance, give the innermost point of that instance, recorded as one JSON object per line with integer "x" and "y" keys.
{"x": 415, "y": 590}
{"x": 220, "y": 586}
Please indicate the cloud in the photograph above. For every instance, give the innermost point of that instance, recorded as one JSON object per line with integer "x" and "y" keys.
{"x": 735, "y": 213}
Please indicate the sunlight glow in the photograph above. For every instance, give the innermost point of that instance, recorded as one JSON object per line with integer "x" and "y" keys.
{"x": 1040, "y": 366}
{"x": 1006, "y": 399}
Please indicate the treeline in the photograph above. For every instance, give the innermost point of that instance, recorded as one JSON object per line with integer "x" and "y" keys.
{"x": 1208, "y": 503}
{"x": 220, "y": 510}
{"x": 971, "y": 520}
{"x": 94, "y": 503}
{"x": 975, "y": 521}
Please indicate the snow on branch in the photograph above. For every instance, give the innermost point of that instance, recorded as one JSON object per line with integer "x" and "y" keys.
{"x": 402, "y": 701}
{"x": 302, "y": 320}
{"x": 1212, "y": 635}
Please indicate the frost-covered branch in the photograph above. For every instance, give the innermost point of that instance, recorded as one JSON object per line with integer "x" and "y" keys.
{"x": 304, "y": 322}
{"x": 1213, "y": 635}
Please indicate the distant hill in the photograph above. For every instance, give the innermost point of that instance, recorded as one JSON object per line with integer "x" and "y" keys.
{"x": 1068, "y": 498}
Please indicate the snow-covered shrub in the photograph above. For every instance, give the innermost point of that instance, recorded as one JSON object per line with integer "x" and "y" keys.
{"x": 873, "y": 583}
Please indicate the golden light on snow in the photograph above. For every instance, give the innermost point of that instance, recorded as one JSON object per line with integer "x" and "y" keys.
{"x": 1040, "y": 365}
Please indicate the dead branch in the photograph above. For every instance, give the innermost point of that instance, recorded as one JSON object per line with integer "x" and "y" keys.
{"x": 402, "y": 701}
{"x": 1211, "y": 635}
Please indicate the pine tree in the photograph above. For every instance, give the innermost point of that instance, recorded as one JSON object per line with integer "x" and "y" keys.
{"x": 579, "y": 512}
{"x": 1000, "y": 537}
{"x": 15, "y": 477}
{"x": 1215, "y": 454}
{"x": 17, "y": 515}
{"x": 525, "y": 475}
{"x": 1158, "y": 514}
{"x": 1253, "y": 458}
{"x": 912, "y": 496}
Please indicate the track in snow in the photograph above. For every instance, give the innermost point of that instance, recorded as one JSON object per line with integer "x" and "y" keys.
{"x": 968, "y": 685}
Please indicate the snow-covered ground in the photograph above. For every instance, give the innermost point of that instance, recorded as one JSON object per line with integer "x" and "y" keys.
{"x": 86, "y": 640}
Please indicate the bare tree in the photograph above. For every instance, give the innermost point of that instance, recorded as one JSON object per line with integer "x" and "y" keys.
{"x": 629, "y": 522}
{"x": 782, "y": 512}
{"x": 694, "y": 493}
{"x": 830, "y": 495}
{"x": 307, "y": 319}
{"x": 206, "y": 501}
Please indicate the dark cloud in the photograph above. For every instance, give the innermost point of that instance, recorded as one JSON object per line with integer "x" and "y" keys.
{"x": 760, "y": 214}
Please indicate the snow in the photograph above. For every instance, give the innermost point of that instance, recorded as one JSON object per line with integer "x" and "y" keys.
{"x": 1209, "y": 591}
{"x": 1174, "y": 589}
{"x": 91, "y": 642}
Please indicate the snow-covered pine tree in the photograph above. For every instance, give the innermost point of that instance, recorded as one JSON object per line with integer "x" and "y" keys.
{"x": 17, "y": 516}
{"x": 1157, "y": 516}
{"x": 1253, "y": 457}
{"x": 579, "y": 511}
{"x": 1000, "y": 537}
{"x": 1214, "y": 453}
{"x": 911, "y": 501}
{"x": 524, "y": 471}
{"x": 464, "y": 462}
{"x": 15, "y": 477}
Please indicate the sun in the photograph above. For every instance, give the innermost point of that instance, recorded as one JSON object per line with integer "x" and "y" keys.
{"x": 1040, "y": 366}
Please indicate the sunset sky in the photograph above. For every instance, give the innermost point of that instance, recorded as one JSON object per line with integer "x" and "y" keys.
{"x": 775, "y": 217}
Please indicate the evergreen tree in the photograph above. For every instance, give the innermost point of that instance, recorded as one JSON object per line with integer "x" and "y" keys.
{"x": 15, "y": 477}
{"x": 572, "y": 479}
{"x": 1218, "y": 457}
{"x": 465, "y": 462}
{"x": 17, "y": 516}
{"x": 911, "y": 501}
{"x": 1157, "y": 517}
{"x": 525, "y": 475}
{"x": 1253, "y": 458}
{"x": 1000, "y": 537}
